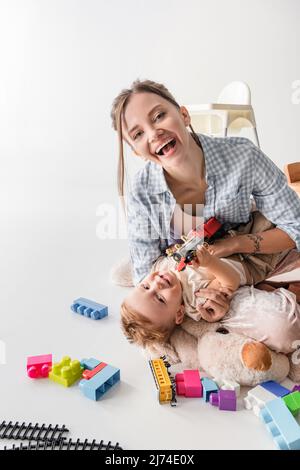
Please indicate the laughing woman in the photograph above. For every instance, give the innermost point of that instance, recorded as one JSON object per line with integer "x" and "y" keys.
{"x": 212, "y": 177}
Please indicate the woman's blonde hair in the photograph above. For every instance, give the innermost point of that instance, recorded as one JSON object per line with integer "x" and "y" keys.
{"x": 119, "y": 107}
{"x": 138, "y": 329}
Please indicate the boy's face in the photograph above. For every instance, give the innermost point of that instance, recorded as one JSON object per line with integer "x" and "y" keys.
{"x": 159, "y": 298}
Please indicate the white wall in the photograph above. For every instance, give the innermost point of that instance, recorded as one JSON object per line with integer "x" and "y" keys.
{"x": 63, "y": 61}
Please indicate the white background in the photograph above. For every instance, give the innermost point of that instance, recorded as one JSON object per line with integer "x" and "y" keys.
{"x": 62, "y": 63}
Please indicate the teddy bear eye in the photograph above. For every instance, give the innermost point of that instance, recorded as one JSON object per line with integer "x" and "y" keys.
{"x": 222, "y": 331}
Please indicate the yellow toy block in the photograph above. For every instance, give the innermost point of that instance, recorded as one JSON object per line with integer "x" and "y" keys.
{"x": 66, "y": 372}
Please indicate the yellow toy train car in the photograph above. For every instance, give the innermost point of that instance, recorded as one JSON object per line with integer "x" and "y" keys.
{"x": 164, "y": 383}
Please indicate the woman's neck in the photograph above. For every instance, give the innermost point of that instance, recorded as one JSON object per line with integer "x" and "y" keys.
{"x": 191, "y": 170}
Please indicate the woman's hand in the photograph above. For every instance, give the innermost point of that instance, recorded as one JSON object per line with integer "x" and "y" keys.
{"x": 216, "y": 305}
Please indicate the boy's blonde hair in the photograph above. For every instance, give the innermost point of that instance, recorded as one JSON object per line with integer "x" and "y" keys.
{"x": 119, "y": 107}
{"x": 139, "y": 329}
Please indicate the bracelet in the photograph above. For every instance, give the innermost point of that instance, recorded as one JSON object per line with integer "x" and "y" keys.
{"x": 256, "y": 240}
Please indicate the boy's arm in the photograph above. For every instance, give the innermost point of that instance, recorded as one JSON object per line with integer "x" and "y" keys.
{"x": 225, "y": 275}
{"x": 225, "y": 278}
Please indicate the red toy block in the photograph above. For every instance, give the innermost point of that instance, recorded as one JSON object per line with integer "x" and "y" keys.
{"x": 88, "y": 374}
{"x": 189, "y": 384}
{"x": 39, "y": 366}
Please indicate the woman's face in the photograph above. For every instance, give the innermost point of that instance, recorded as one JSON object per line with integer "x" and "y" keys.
{"x": 149, "y": 122}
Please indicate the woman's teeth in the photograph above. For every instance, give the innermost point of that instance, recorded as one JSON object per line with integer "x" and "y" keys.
{"x": 167, "y": 148}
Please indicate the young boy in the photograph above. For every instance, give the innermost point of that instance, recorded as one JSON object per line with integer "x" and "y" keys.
{"x": 159, "y": 303}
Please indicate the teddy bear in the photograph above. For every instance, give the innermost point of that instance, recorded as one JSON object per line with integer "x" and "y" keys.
{"x": 222, "y": 354}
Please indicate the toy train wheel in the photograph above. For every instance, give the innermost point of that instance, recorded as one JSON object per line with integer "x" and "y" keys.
{"x": 190, "y": 256}
{"x": 177, "y": 257}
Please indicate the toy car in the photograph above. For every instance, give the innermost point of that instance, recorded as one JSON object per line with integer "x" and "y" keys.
{"x": 185, "y": 252}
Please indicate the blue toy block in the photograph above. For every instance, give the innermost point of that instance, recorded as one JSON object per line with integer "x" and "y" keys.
{"x": 209, "y": 386}
{"x": 281, "y": 424}
{"x": 95, "y": 387}
{"x": 89, "y": 309}
{"x": 275, "y": 388}
{"x": 89, "y": 364}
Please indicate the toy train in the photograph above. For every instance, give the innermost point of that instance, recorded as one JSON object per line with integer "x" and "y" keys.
{"x": 203, "y": 233}
{"x": 165, "y": 385}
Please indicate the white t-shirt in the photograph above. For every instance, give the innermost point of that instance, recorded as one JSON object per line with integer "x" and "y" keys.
{"x": 194, "y": 279}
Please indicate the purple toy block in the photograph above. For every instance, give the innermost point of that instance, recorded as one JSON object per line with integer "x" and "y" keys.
{"x": 225, "y": 399}
{"x": 296, "y": 388}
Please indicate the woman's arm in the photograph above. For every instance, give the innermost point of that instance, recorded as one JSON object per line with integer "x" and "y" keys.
{"x": 271, "y": 241}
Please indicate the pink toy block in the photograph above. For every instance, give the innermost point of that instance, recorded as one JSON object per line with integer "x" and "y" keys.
{"x": 180, "y": 387}
{"x": 39, "y": 366}
{"x": 296, "y": 388}
{"x": 189, "y": 384}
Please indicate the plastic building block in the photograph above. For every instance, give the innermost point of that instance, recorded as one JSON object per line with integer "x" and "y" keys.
{"x": 99, "y": 383}
{"x": 275, "y": 388}
{"x": 88, "y": 374}
{"x": 39, "y": 366}
{"x": 209, "y": 386}
{"x": 164, "y": 383}
{"x": 225, "y": 399}
{"x": 66, "y": 372}
{"x": 296, "y": 388}
{"x": 281, "y": 424}
{"x": 292, "y": 401}
{"x": 257, "y": 398}
{"x": 95, "y": 387}
{"x": 89, "y": 309}
{"x": 228, "y": 385}
{"x": 89, "y": 364}
{"x": 189, "y": 383}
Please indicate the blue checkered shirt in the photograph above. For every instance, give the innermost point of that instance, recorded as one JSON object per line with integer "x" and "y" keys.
{"x": 236, "y": 172}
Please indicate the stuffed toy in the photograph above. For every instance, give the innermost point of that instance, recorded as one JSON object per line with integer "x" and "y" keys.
{"x": 220, "y": 353}
{"x": 224, "y": 355}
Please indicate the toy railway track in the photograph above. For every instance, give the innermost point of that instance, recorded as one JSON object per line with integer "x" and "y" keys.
{"x": 64, "y": 444}
{"x": 165, "y": 385}
{"x": 32, "y": 432}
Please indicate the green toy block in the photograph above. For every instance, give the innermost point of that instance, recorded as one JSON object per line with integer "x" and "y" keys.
{"x": 66, "y": 372}
{"x": 292, "y": 401}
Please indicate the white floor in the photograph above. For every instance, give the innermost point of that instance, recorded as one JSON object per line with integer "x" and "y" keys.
{"x": 52, "y": 256}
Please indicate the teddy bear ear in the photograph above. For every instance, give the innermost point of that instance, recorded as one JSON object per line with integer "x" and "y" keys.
{"x": 256, "y": 356}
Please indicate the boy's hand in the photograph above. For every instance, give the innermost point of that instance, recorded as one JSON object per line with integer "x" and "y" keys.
{"x": 216, "y": 305}
{"x": 224, "y": 247}
{"x": 203, "y": 257}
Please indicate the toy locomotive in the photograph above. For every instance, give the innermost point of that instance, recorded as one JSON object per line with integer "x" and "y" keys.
{"x": 203, "y": 233}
